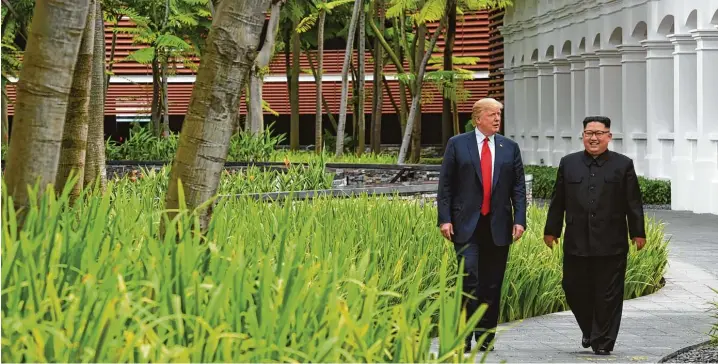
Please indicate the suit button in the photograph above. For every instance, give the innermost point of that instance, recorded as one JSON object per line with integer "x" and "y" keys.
{"x": 592, "y": 201}
{"x": 593, "y": 175}
{"x": 593, "y": 215}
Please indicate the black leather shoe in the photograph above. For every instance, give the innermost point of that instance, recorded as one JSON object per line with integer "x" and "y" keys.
{"x": 585, "y": 342}
{"x": 602, "y": 352}
{"x": 485, "y": 347}
{"x": 467, "y": 347}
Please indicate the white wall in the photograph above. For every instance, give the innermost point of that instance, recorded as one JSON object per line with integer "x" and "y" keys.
{"x": 649, "y": 65}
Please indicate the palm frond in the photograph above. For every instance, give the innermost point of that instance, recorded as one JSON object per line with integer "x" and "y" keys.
{"x": 432, "y": 11}
{"x": 307, "y": 23}
{"x": 142, "y": 56}
{"x": 173, "y": 42}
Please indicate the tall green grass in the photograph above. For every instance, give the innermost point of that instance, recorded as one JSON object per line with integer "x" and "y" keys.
{"x": 360, "y": 280}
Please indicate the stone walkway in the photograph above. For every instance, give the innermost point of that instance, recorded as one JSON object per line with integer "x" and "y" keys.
{"x": 652, "y": 326}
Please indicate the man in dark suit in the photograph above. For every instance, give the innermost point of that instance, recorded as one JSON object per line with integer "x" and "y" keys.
{"x": 482, "y": 179}
{"x": 598, "y": 191}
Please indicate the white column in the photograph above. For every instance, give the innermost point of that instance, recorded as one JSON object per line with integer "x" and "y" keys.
{"x": 509, "y": 102}
{"x": 684, "y": 120}
{"x": 706, "y": 164}
{"x": 561, "y": 109}
{"x": 519, "y": 106}
{"x": 545, "y": 114}
{"x": 611, "y": 91}
{"x": 593, "y": 84}
{"x": 633, "y": 94}
{"x": 659, "y": 99}
{"x": 531, "y": 130}
{"x": 578, "y": 100}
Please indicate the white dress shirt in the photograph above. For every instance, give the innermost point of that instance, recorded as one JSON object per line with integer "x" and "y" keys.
{"x": 492, "y": 147}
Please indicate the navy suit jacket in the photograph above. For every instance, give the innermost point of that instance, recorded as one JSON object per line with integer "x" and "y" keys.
{"x": 461, "y": 195}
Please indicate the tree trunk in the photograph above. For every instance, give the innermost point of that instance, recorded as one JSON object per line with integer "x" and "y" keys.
{"x": 447, "y": 121}
{"x": 345, "y": 72}
{"x": 416, "y": 133}
{"x": 42, "y": 96}
{"x": 417, "y": 94}
{"x": 112, "y": 56}
{"x": 294, "y": 96}
{"x": 378, "y": 77}
{"x": 360, "y": 115}
{"x": 95, "y": 169}
{"x": 156, "y": 108}
{"x": 204, "y": 141}
{"x": 318, "y": 129}
{"x": 74, "y": 135}
{"x": 257, "y": 75}
{"x": 165, "y": 129}
{"x": 325, "y": 105}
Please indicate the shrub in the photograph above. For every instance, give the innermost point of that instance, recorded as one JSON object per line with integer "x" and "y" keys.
{"x": 653, "y": 191}
{"x": 329, "y": 280}
{"x": 714, "y": 329}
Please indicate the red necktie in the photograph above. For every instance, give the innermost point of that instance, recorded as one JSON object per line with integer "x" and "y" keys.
{"x": 486, "y": 176}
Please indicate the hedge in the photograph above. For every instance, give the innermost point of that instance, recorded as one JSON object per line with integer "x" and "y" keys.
{"x": 653, "y": 191}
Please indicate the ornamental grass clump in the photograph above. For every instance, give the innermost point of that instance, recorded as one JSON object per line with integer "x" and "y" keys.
{"x": 328, "y": 280}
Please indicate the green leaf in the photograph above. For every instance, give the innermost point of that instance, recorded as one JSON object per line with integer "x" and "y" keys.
{"x": 172, "y": 41}
{"x": 142, "y": 56}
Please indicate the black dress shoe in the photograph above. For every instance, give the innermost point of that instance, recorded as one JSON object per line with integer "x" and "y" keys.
{"x": 602, "y": 352}
{"x": 485, "y": 347}
{"x": 467, "y": 347}
{"x": 585, "y": 342}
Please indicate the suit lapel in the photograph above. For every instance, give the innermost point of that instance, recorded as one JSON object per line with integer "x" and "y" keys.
{"x": 500, "y": 151}
{"x": 474, "y": 153}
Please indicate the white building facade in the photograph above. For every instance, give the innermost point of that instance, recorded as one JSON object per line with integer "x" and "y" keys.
{"x": 649, "y": 65}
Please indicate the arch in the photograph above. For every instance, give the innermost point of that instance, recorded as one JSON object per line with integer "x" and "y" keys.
{"x": 667, "y": 25}
{"x": 714, "y": 20}
{"x": 523, "y": 59}
{"x": 616, "y": 37}
{"x": 566, "y": 49}
{"x": 597, "y": 41}
{"x": 549, "y": 52}
{"x": 512, "y": 61}
{"x": 582, "y": 45}
{"x": 534, "y": 56}
{"x": 692, "y": 20}
{"x": 640, "y": 31}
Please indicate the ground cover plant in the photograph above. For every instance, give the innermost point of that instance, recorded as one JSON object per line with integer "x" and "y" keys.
{"x": 328, "y": 280}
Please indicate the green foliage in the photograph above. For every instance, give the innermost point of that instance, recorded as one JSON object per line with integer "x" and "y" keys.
{"x": 653, "y": 191}
{"x": 246, "y": 147}
{"x": 347, "y": 280}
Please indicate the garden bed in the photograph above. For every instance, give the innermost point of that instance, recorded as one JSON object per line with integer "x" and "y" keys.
{"x": 327, "y": 280}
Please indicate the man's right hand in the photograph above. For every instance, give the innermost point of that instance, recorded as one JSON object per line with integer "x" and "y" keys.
{"x": 550, "y": 240}
{"x": 447, "y": 230}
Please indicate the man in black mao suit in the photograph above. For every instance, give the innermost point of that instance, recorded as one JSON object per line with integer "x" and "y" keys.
{"x": 598, "y": 191}
{"x": 482, "y": 209}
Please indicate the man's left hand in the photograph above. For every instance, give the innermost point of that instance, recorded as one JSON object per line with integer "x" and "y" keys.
{"x": 640, "y": 242}
{"x": 518, "y": 232}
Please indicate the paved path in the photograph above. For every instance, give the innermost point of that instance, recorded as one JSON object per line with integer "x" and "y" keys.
{"x": 652, "y": 326}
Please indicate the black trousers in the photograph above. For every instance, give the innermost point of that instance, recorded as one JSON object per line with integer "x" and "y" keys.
{"x": 484, "y": 267}
{"x": 594, "y": 289}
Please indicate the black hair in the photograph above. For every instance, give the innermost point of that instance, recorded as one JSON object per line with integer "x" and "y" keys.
{"x": 597, "y": 119}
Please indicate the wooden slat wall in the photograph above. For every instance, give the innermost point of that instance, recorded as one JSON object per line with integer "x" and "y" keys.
{"x": 472, "y": 39}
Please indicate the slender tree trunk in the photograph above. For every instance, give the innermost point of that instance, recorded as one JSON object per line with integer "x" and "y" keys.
{"x": 417, "y": 94}
{"x": 403, "y": 109}
{"x": 111, "y": 62}
{"x": 204, "y": 141}
{"x": 74, "y": 136}
{"x": 165, "y": 129}
{"x": 95, "y": 169}
{"x": 416, "y": 133}
{"x": 345, "y": 72}
{"x": 378, "y": 78}
{"x": 447, "y": 122}
{"x": 294, "y": 96}
{"x": 325, "y": 105}
{"x": 318, "y": 129}
{"x": 156, "y": 108}
{"x": 42, "y": 96}
{"x": 257, "y": 75}
{"x": 361, "y": 119}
